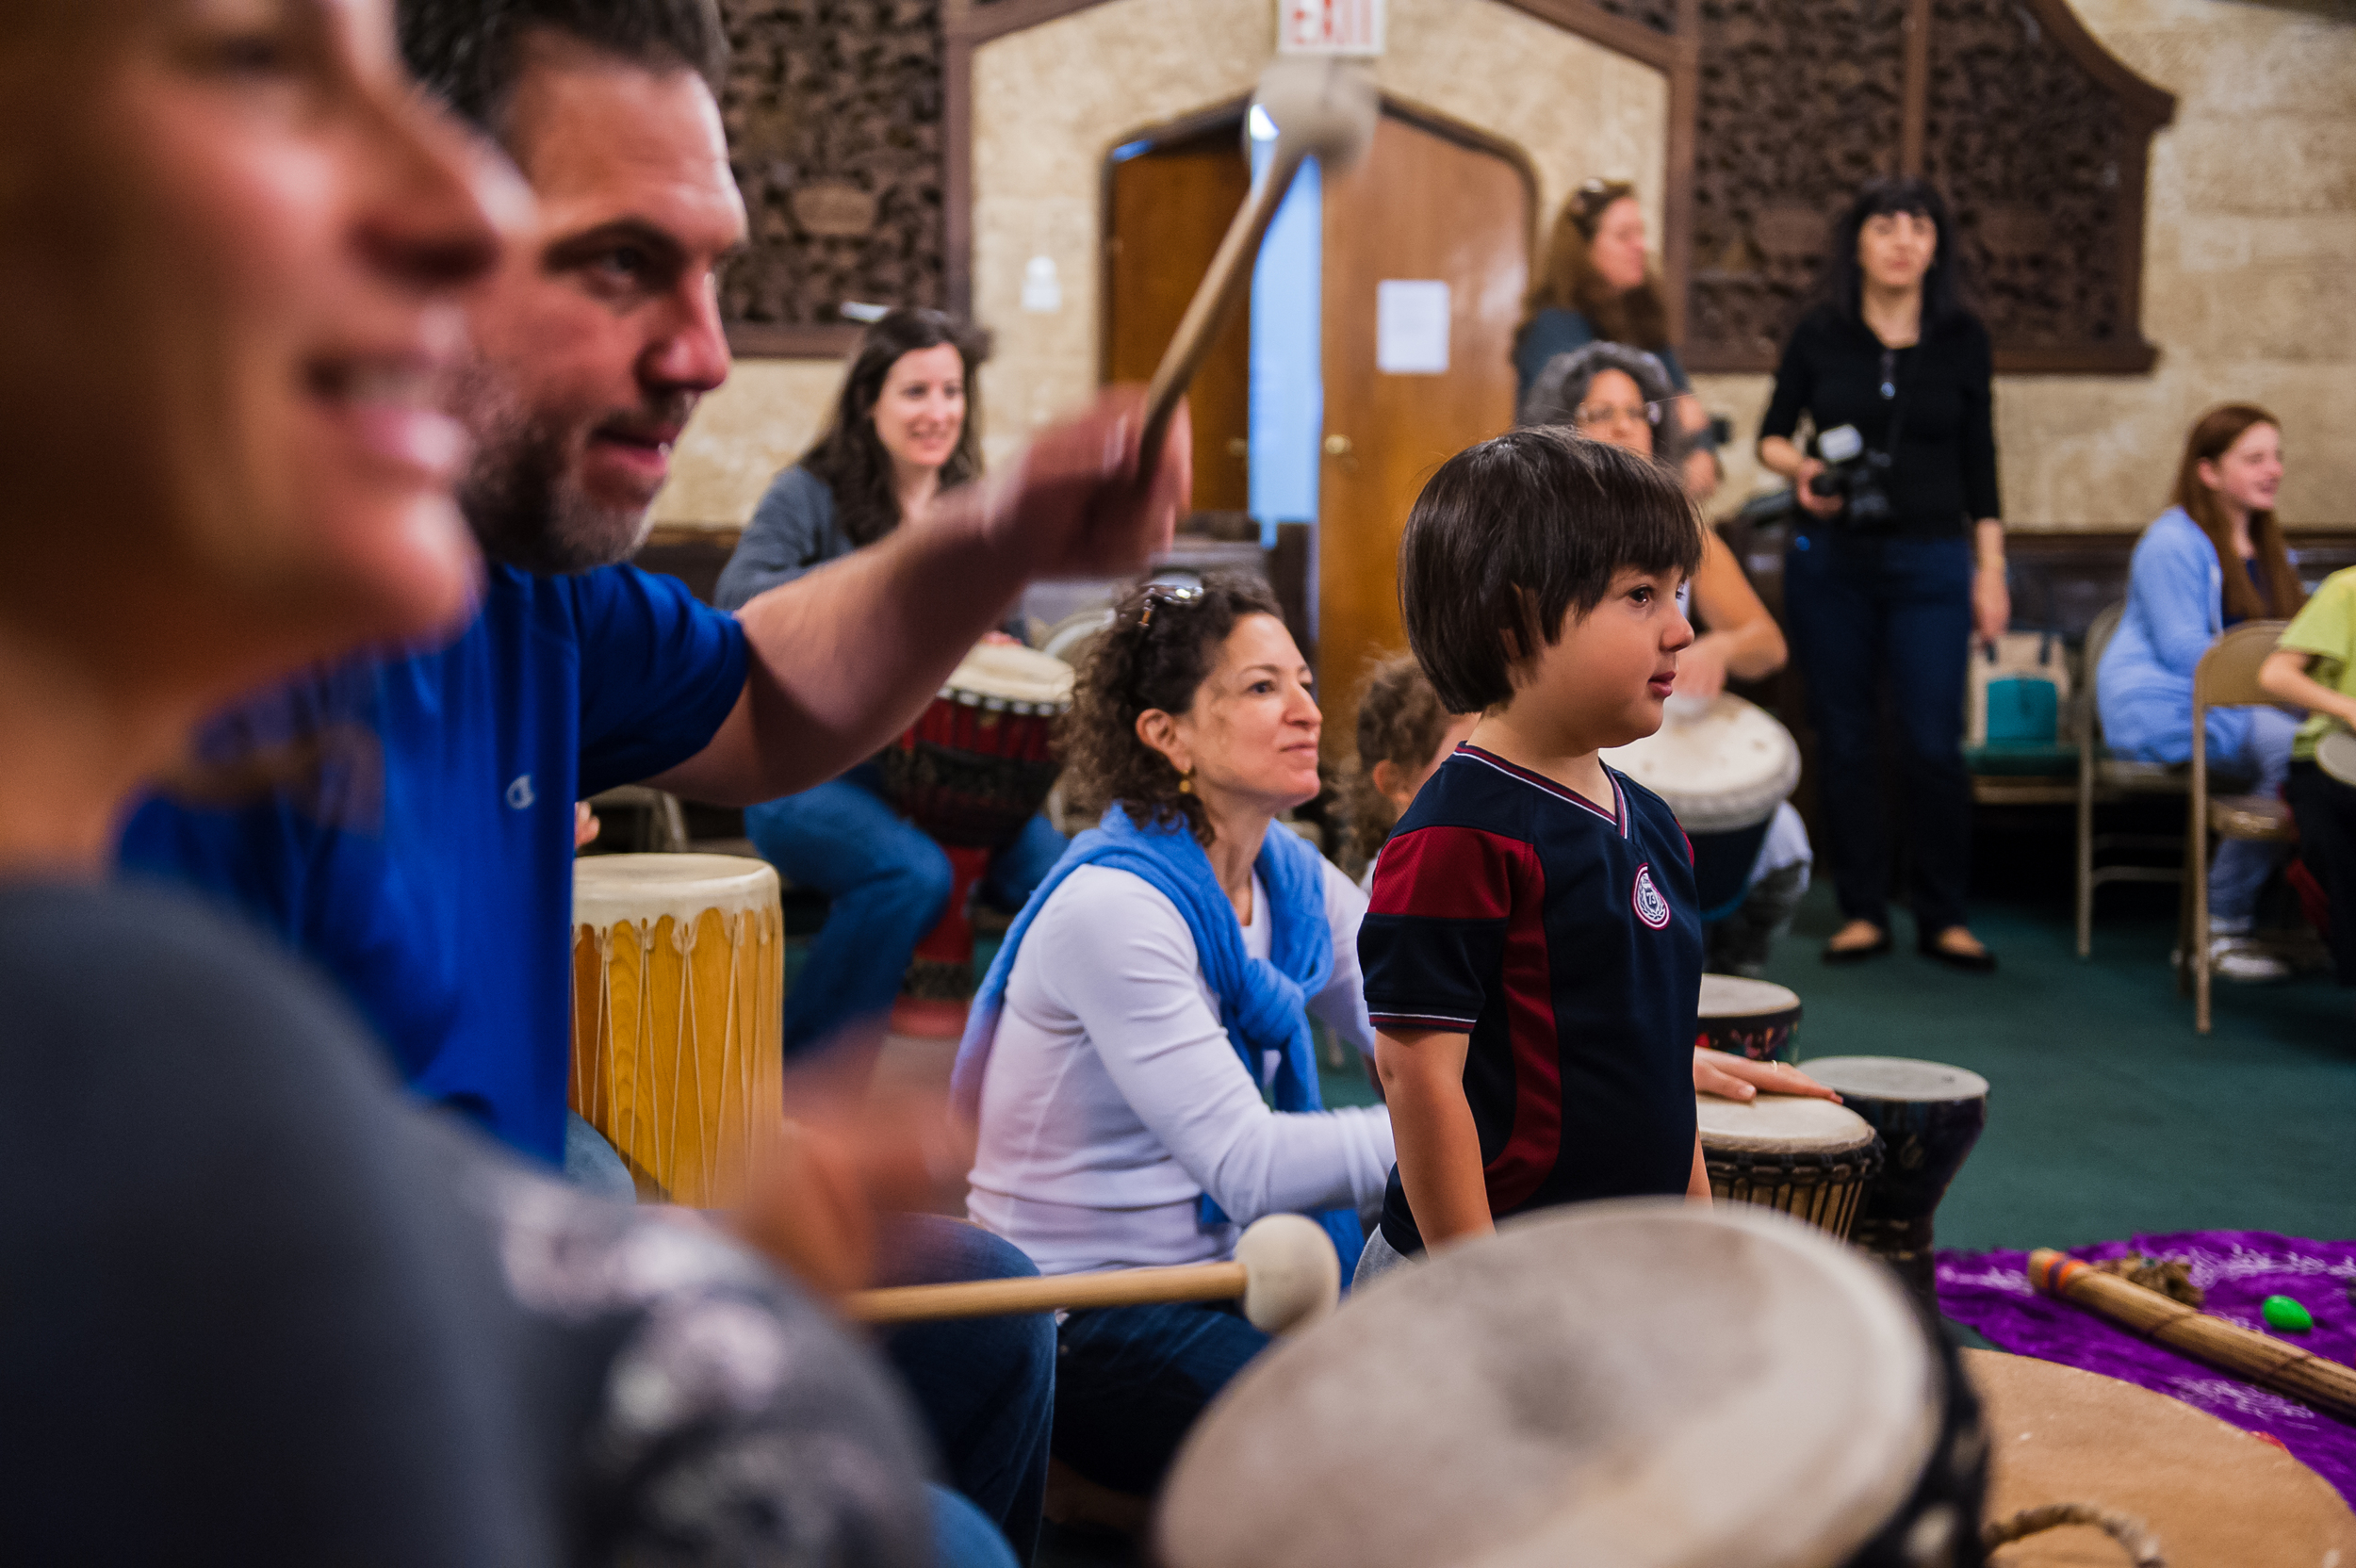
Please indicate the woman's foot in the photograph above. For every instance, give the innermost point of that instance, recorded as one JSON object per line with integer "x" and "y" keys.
{"x": 1958, "y": 948}
{"x": 1859, "y": 939}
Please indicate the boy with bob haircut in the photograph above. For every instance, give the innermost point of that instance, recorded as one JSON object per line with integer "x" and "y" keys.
{"x": 1531, "y": 947}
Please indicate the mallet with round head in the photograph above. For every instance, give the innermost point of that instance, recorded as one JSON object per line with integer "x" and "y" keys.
{"x": 1284, "y": 1269}
{"x": 1322, "y": 107}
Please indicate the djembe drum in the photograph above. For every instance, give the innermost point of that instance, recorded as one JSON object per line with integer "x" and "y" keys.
{"x": 679, "y": 998}
{"x": 1747, "y": 1018}
{"x": 1723, "y": 767}
{"x": 1807, "y": 1157}
{"x": 1630, "y": 1384}
{"x": 1929, "y": 1116}
{"x": 970, "y": 772}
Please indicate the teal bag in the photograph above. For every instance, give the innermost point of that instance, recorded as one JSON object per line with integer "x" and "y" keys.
{"x": 2023, "y": 710}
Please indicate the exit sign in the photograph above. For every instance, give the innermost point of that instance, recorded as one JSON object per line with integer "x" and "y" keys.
{"x": 1329, "y": 26}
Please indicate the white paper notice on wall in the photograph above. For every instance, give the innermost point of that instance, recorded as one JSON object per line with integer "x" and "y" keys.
{"x": 1411, "y": 327}
{"x": 1329, "y": 26}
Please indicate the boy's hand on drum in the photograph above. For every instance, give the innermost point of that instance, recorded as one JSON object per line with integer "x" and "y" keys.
{"x": 585, "y": 825}
{"x": 855, "y": 1152}
{"x": 1732, "y": 1077}
{"x": 1072, "y": 503}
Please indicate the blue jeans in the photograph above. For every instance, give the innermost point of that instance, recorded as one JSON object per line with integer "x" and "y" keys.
{"x": 887, "y": 884}
{"x": 1861, "y": 610}
{"x": 2261, "y": 756}
{"x": 1131, "y": 1381}
{"x": 986, "y": 1386}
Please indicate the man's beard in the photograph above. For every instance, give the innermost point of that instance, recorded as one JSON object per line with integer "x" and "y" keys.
{"x": 522, "y": 498}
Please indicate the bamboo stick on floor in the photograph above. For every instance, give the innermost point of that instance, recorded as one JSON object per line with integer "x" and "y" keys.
{"x": 2261, "y": 1359}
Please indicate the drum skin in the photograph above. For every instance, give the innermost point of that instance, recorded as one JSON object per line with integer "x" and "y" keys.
{"x": 1929, "y": 1116}
{"x": 1720, "y": 766}
{"x": 1806, "y": 1157}
{"x": 2213, "y": 1496}
{"x": 678, "y": 996}
{"x": 1636, "y": 1383}
{"x": 1747, "y": 1018}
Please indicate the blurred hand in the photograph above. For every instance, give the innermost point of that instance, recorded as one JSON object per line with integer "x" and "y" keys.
{"x": 1732, "y": 1077}
{"x": 1702, "y": 668}
{"x": 585, "y": 825}
{"x": 1822, "y": 506}
{"x": 1991, "y": 603}
{"x": 853, "y": 1154}
{"x": 1072, "y": 503}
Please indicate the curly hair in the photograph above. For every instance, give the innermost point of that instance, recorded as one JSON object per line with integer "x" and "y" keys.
{"x": 1155, "y": 655}
{"x": 1561, "y": 386}
{"x": 1401, "y": 721}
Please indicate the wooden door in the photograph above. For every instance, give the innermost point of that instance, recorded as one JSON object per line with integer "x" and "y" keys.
{"x": 1167, "y": 208}
{"x": 1428, "y": 202}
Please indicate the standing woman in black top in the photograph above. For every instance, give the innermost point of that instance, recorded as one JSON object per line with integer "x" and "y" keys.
{"x": 1899, "y": 556}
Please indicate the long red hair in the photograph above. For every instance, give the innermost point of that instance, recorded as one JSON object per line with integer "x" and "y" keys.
{"x": 2212, "y": 437}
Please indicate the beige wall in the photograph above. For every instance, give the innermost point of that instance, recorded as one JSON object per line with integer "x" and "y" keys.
{"x": 2248, "y": 278}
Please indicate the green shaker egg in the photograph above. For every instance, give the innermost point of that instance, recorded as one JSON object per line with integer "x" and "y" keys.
{"x": 2282, "y": 1313}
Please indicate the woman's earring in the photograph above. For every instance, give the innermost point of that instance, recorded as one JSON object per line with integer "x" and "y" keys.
{"x": 1185, "y": 782}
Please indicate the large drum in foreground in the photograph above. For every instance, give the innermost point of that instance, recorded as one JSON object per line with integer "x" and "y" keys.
{"x": 1929, "y": 1114}
{"x": 1807, "y": 1157}
{"x": 975, "y": 766}
{"x": 1723, "y": 767}
{"x": 1630, "y": 1384}
{"x": 678, "y": 995}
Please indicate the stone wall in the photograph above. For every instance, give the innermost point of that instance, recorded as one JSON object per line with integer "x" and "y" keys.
{"x": 2249, "y": 268}
{"x": 2248, "y": 278}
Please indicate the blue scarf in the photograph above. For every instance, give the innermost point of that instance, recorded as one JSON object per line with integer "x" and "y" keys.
{"x": 1262, "y": 1001}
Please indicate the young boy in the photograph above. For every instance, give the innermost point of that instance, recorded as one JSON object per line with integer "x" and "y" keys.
{"x": 2315, "y": 666}
{"x": 1532, "y": 949}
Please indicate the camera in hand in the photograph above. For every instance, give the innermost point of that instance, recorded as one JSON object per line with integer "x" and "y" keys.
{"x": 1856, "y": 472}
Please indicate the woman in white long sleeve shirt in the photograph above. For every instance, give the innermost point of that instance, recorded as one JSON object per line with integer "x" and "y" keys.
{"x": 1120, "y": 1125}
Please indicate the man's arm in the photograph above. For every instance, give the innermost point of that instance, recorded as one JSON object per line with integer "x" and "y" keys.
{"x": 842, "y": 660}
{"x": 1432, "y": 1126}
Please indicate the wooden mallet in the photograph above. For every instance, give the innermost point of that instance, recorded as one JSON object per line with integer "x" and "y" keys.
{"x": 1322, "y": 107}
{"x": 2261, "y": 1359}
{"x": 1285, "y": 1269}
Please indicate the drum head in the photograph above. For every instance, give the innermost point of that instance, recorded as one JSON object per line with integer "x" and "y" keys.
{"x": 1727, "y": 767}
{"x": 1011, "y": 676}
{"x": 1071, "y": 638}
{"x": 609, "y": 888}
{"x": 1779, "y": 1124}
{"x": 2335, "y": 754}
{"x": 1731, "y": 996}
{"x": 1896, "y": 1078}
{"x": 1628, "y": 1385}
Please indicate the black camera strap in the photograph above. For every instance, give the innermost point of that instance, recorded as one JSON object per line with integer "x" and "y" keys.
{"x": 1895, "y": 387}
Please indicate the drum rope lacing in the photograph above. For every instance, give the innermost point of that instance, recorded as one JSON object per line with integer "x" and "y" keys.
{"x": 2141, "y": 1546}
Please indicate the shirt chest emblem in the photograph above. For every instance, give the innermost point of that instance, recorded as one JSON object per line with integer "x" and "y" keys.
{"x": 519, "y": 795}
{"x": 1645, "y": 898}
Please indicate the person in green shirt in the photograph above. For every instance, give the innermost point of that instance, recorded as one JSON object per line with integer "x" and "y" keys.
{"x": 2315, "y": 666}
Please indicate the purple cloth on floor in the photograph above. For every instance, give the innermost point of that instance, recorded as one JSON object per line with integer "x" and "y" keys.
{"x": 2238, "y": 1269}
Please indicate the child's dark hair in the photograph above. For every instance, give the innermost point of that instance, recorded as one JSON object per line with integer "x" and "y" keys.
{"x": 1515, "y": 533}
{"x": 1401, "y": 720}
{"x": 1155, "y": 654}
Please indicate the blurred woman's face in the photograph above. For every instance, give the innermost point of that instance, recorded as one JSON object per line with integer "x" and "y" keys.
{"x": 230, "y": 240}
{"x": 1613, "y": 413}
{"x": 921, "y": 412}
{"x": 1895, "y": 248}
{"x": 2248, "y": 473}
{"x": 1618, "y": 247}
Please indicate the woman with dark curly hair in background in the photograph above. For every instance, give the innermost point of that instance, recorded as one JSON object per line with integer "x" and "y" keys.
{"x": 1121, "y": 1122}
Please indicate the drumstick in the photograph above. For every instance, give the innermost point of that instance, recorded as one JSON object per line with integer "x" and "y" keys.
{"x": 1322, "y": 108}
{"x": 1285, "y": 1268}
{"x": 2261, "y": 1359}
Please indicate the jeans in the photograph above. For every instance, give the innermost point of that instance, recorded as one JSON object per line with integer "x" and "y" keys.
{"x": 1862, "y": 610}
{"x": 887, "y": 884}
{"x": 2326, "y": 812}
{"x": 2239, "y": 872}
{"x": 1131, "y": 1381}
{"x": 963, "y": 1536}
{"x": 986, "y": 1386}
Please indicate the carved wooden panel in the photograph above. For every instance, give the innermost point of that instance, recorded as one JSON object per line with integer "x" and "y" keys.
{"x": 1799, "y": 100}
{"x": 833, "y": 112}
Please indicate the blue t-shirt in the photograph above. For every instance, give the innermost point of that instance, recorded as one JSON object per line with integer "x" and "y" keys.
{"x": 428, "y": 866}
{"x": 1566, "y": 940}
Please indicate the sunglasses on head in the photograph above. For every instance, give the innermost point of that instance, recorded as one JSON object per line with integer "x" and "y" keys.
{"x": 1159, "y": 593}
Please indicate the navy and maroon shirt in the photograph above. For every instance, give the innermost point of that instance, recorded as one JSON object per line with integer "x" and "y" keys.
{"x": 1566, "y": 940}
